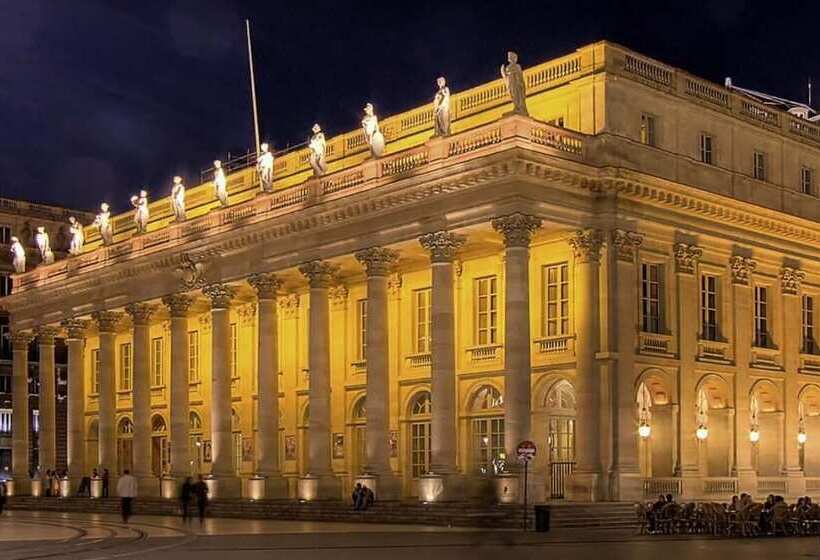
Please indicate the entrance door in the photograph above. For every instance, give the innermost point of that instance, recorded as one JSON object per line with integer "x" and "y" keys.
{"x": 125, "y": 454}
{"x": 561, "y": 445}
{"x": 159, "y": 464}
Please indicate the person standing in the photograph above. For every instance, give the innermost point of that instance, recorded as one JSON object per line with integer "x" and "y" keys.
{"x": 127, "y": 491}
{"x": 201, "y": 493}
{"x": 2, "y": 496}
{"x": 185, "y": 498}
{"x": 106, "y": 477}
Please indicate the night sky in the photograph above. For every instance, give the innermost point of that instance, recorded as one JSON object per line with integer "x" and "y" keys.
{"x": 98, "y": 99}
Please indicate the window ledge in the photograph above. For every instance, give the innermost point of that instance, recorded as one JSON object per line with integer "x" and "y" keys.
{"x": 555, "y": 344}
{"x": 422, "y": 359}
{"x": 810, "y": 364}
{"x": 123, "y": 391}
{"x": 655, "y": 343}
{"x": 359, "y": 365}
{"x": 716, "y": 351}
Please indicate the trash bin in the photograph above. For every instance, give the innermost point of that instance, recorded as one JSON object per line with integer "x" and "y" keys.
{"x": 542, "y": 518}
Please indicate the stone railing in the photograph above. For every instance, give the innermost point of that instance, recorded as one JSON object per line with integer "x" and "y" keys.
{"x": 810, "y": 364}
{"x": 423, "y": 359}
{"x": 812, "y": 484}
{"x": 555, "y": 344}
{"x": 654, "y": 486}
{"x": 772, "y": 485}
{"x": 654, "y": 343}
{"x": 486, "y": 353}
{"x": 713, "y": 351}
{"x": 720, "y": 485}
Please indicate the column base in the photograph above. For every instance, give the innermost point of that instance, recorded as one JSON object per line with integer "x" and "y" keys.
{"x": 169, "y": 486}
{"x": 262, "y": 487}
{"x": 148, "y": 486}
{"x": 626, "y": 486}
{"x": 36, "y": 486}
{"x": 319, "y": 487}
{"x": 584, "y": 487}
{"x": 18, "y": 486}
{"x": 224, "y": 486}
{"x": 435, "y": 487}
{"x": 385, "y": 486}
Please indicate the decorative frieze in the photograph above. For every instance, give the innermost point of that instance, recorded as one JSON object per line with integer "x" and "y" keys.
{"x": 20, "y": 340}
{"x": 442, "y": 245}
{"x": 140, "y": 313}
{"x": 46, "y": 334}
{"x": 289, "y": 304}
{"x": 790, "y": 280}
{"x": 586, "y": 245}
{"x": 377, "y": 260}
{"x": 319, "y": 273}
{"x": 338, "y": 296}
{"x": 178, "y": 304}
{"x": 742, "y": 269}
{"x": 247, "y": 314}
{"x": 516, "y": 228}
{"x": 107, "y": 321}
{"x": 266, "y": 285}
{"x": 191, "y": 271}
{"x": 394, "y": 284}
{"x": 74, "y": 328}
{"x": 625, "y": 244}
{"x": 686, "y": 257}
{"x": 220, "y": 295}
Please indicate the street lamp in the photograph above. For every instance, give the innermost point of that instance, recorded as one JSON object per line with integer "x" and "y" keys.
{"x": 702, "y": 432}
{"x": 802, "y": 437}
{"x": 644, "y": 430}
{"x": 754, "y": 434}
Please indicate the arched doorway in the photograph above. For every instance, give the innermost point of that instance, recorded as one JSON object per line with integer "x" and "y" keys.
{"x": 715, "y": 432}
{"x": 125, "y": 441}
{"x": 195, "y": 441}
{"x": 358, "y": 434}
{"x": 809, "y": 426}
{"x": 486, "y": 417}
{"x": 92, "y": 448}
{"x": 560, "y": 407}
{"x": 418, "y": 435}
{"x": 656, "y": 430}
{"x": 764, "y": 418}
{"x": 160, "y": 448}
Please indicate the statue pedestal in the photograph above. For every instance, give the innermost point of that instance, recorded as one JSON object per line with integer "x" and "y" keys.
{"x": 36, "y": 487}
{"x": 508, "y": 488}
{"x": 67, "y": 487}
{"x": 319, "y": 487}
{"x": 260, "y": 487}
{"x": 96, "y": 487}
{"x": 223, "y": 486}
{"x": 435, "y": 487}
{"x": 169, "y": 487}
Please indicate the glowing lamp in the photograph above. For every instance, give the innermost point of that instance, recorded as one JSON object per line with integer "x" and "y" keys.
{"x": 801, "y": 437}
{"x": 754, "y": 435}
{"x": 644, "y": 430}
{"x": 702, "y": 433}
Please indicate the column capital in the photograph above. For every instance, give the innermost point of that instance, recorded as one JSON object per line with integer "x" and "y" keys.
{"x": 75, "y": 328}
{"x": 742, "y": 269}
{"x": 107, "y": 320}
{"x": 46, "y": 334}
{"x": 442, "y": 245}
{"x": 319, "y": 273}
{"x": 20, "y": 340}
{"x": 790, "y": 280}
{"x": 686, "y": 257}
{"x": 586, "y": 244}
{"x": 140, "y": 313}
{"x": 178, "y": 304}
{"x": 267, "y": 285}
{"x": 220, "y": 295}
{"x": 626, "y": 243}
{"x": 377, "y": 260}
{"x": 517, "y": 228}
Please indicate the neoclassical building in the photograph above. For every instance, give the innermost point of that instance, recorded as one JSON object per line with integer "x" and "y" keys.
{"x": 625, "y": 277}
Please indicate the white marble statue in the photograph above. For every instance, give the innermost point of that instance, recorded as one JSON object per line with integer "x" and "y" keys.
{"x": 140, "y": 204}
{"x": 318, "y": 147}
{"x": 514, "y": 78}
{"x": 44, "y": 245}
{"x": 372, "y": 134}
{"x": 264, "y": 167}
{"x": 178, "y": 199}
{"x": 441, "y": 108}
{"x": 18, "y": 255}
{"x": 77, "y": 236}
{"x": 220, "y": 183}
{"x": 103, "y": 221}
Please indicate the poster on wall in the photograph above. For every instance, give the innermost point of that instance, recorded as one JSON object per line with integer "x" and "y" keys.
{"x": 338, "y": 446}
{"x": 247, "y": 449}
{"x": 290, "y": 448}
{"x": 206, "y": 451}
{"x": 394, "y": 443}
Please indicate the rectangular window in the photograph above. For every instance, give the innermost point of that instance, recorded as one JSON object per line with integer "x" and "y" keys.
{"x": 706, "y": 149}
{"x": 648, "y": 130}
{"x": 156, "y": 362}
{"x": 422, "y": 320}
{"x": 5, "y": 343}
{"x": 488, "y": 443}
{"x": 361, "y": 328}
{"x": 125, "y": 366}
{"x": 5, "y": 285}
{"x": 95, "y": 371}
{"x": 486, "y": 311}
{"x": 651, "y": 275}
{"x": 233, "y": 349}
{"x": 709, "y": 307}
{"x": 761, "y": 317}
{"x": 5, "y": 384}
{"x": 561, "y": 439}
{"x": 5, "y": 235}
{"x": 420, "y": 448}
{"x": 759, "y": 166}
{"x": 556, "y": 290}
{"x": 807, "y": 180}
{"x": 809, "y": 346}
{"x": 193, "y": 356}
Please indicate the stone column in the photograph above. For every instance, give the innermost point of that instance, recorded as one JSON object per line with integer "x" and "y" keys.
{"x": 442, "y": 246}
{"x": 47, "y": 438}
{"x": 377, "y": 262}
{"x": 107, "y": 398}
{"x": 321, "y": 481}
{"x": 222, "y": 467}
{"x": 75, "y": 413}
{"x": 625, "y": 467}
{"x": 20, "y": 444}
{"x": 790, "y": 282}
{"x": 141, "y": 391}
{"x": 178, "y": 305}
{"x": 585, "y": 483}
{"x": 267, "y": 425}
{"x": 517, "y": 230}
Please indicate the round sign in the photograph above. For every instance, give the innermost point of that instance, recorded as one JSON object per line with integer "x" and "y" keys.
{"x": 525, "y": 451}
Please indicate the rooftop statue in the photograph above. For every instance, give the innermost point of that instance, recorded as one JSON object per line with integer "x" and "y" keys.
{"x": 318, "y": 147}
{"x": 18, "y": 255}
{"x": 178, "y": 199}
{"x": 220, "y": 183}
{"x": 103, "y": 221}
{"x": 372, "y": 134}
{"x": 441, "y": 108}
{"x": 264, "y": 167}
{"x": 140, "y": 204}
{"x": 77, "y": 236}
{"x": 44, "y": 245}
{"x": 514, "y": 78}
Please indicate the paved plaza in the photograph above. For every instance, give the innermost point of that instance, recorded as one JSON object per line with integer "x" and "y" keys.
{"x": 29, "y": 535}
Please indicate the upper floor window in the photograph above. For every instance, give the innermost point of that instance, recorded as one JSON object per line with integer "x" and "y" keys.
{"x": 125, "y": 366}
{"x": 648, "y": 130}
{"x": 706, "y": 148}
{"x": 761, "y": 317}
{"x": 651, "y": 284}
{"x": 809, "y": 344}
{"x": 709, "y": 307}
{"x": 422, "y": 320}
{"x": 759, "y": 163}
{"x": 486, "y": 310}
{"x": 156, "y": 361}
{"x": 5, "y": 285}
{"x": 807, "y": 180}
{"x": 95, "y": 371}
{"x": 5, "y": 342}
{"x": 556, "y": 288}
{"x": 5, "y": 384}
{"x": 361, "y": 328}
{"x": 193, "y": 356}
{"x": 5, "y": 235}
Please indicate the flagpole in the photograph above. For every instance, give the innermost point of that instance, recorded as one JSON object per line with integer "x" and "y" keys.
{"x": 253, "y": 86}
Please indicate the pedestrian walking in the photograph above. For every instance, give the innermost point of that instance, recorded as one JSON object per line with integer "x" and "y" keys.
{"x": 201, "y": 493}
{"x": 185, "y": 495}
{"x": 127, "y": 491}
{"x": 105, "y": 479}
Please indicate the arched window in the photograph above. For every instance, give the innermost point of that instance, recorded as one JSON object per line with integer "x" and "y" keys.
{"x": 359, "y": 433}
{"x": 422, "y": 405}
{"x": 487, "y": 429}
{"x": 560, "y": 404}
{"x": 420, "y": 409}
{"x": 125, "y": 427}
{"x": 158, "y": 424}
{"x": 194, "y": 422}
{"x": 561, "y": 396}
{"x": 360, "y": 409}
{"x": 487, "y": 398}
